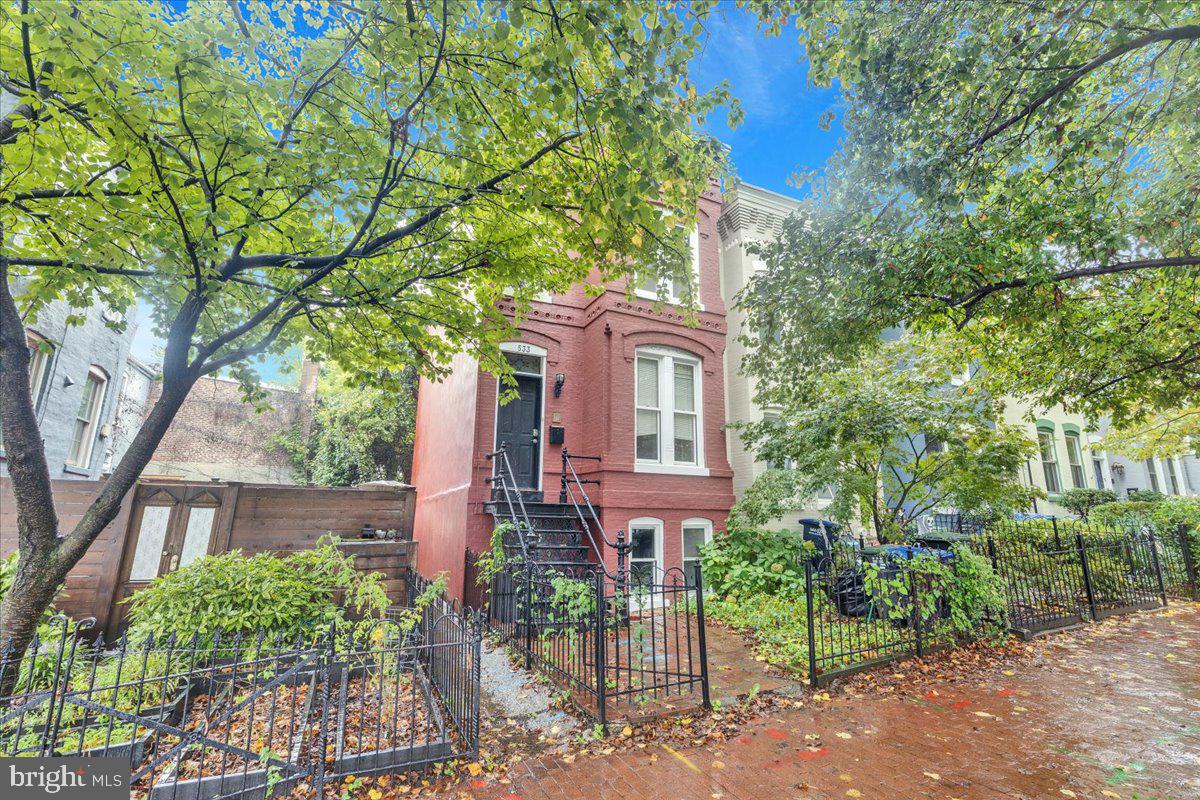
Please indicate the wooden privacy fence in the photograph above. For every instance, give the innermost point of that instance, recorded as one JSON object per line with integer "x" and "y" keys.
{"x": 163, "y": 525}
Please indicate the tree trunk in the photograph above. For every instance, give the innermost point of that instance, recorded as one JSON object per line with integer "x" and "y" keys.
{"x": 37, "y": 523}
{"x": 45, "y": 557}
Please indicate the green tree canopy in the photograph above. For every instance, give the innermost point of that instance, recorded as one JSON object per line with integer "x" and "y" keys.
{"x": 894, "y": 438}
{"x": 367, "y": 179}
{"x": 358, "y": 432}
{"x": 1025, "y": 175}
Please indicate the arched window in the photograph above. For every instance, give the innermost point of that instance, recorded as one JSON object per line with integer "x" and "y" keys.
{"x": 87, "y": 420}
{"x": 41, "y": 358}
{"x": 646, "y": 554}
{"x": 668, "y": 425}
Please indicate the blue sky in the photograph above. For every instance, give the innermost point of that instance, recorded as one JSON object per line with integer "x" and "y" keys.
{"x": 779, "y": 136}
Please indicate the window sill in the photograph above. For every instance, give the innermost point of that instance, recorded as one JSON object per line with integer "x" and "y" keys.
{"x": 670, "y": 301}
{"x": 71, "y": 469}
{"x": 671, "y": 469}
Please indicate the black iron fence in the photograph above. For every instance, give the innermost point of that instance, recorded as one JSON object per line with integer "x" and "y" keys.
{"x": 612, "y": 648}
{"x": 869, "y": 607}
{"x": 865, "y": 611}
{"x": 1062, "y": 572}
{"x": 250, "y": 716}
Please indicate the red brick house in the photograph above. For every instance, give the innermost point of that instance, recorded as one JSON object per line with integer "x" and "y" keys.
{"x": 625, "y": 381}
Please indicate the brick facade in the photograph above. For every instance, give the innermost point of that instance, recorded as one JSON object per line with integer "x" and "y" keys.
{"x": 216, "y": 435}
{"x": 97, "y": 343}
{"x": 592, "y": 341}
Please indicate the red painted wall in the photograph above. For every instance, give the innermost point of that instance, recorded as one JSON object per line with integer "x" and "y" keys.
{"x": 443, "y": 449}
{"x": 591, "y": 340}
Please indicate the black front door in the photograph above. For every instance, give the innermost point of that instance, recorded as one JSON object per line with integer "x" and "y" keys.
{"x": 519, "y": 427}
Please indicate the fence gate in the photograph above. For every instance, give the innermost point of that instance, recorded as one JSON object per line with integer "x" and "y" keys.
{"x": 170, "y": 527}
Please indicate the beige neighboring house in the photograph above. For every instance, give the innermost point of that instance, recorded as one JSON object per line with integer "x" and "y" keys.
{"x": 750, "y": 214}
{"x": 1070, "y": 457}
{"x": 1067, "y": 456}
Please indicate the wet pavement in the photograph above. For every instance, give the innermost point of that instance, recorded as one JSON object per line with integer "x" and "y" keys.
{"x": 734, "y": 672}
{"x": 1108, "y": 711}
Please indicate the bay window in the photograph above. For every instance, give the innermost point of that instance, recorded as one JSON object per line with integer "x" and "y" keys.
{"x": 673, "y": 289}
{"x": 668, "y": 410}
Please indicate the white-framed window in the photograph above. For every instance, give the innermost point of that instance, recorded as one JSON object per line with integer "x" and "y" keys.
{"x": 1172, "y": 475}
{"x": 1098, "y": 471}
{"x": 1152, "y": 474}
{"x": 697, "y": 532}
{"x": 668, "y": 431}
{"x": 646, "y": 553}
{"x": 88, "y": 417}
{"x": 1075, "y": 460}
{"x": 672, "y": 290}
{"x": 41, "y": 358}
{"x": 1049, "y": 454}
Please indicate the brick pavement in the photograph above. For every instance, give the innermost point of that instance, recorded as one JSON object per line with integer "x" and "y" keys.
{"x": 1109, "y": 711}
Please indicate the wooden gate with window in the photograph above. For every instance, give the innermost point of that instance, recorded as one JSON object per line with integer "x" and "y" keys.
{"x": 170, "y": 526}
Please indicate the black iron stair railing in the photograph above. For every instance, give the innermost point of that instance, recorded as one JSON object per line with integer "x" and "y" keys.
{"x": 590, "y": 520}
{"x": 502, "y": 475}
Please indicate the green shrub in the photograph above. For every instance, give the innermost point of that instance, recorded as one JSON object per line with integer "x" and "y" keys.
{"x": 1175, "y": 511}
{"x": 1145, "y": 496}
{"x": 297, "y": 594}
{"x": 1082, "y": 501}
{"x": 966, "y": 587}
{"x": 747, "y": 561}
{"x": 1124, "y": 513}
{"x": 1110, "y": 575}
{"x": 778, "y": 623}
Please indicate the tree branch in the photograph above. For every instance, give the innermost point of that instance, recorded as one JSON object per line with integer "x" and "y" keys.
{"x": 1182, "y": 33}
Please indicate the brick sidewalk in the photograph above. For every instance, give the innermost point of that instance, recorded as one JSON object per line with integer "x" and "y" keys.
{"x": 1109, "y": 711}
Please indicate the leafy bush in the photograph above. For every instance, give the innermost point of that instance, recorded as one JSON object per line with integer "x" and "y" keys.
{"x": 300, "y": 593}
{"x": 1124, "y": 513}
{"x": 1146, "y": 496}
{"x": 966, "y": 587}
{"x": 746, "y": 561}
{"x": 778, "y": 623}
{"x": 1081, "y": 501}
{"x": 1176, "y": 511}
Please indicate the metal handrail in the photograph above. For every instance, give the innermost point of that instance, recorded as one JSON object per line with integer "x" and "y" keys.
{"x": 503, "y": 471}
{"x": 569, "y": 477}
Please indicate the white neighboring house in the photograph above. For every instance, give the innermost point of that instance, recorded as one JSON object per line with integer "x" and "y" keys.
{"x": 136, "y": 381}
{"x": 749, "y": 214}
